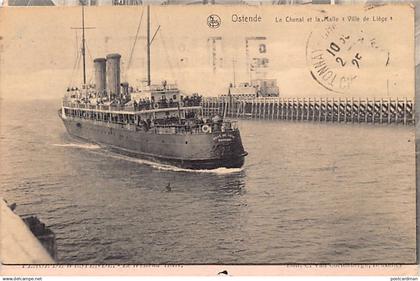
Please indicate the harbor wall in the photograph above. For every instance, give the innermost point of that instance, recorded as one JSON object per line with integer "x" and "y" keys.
{"x": 338, "y": 110}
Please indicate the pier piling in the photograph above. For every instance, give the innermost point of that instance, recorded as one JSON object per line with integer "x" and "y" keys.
{"x": 341, "y": 110}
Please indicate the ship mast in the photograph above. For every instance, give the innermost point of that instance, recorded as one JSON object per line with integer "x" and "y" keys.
{"x": 83, "y": 28}
{"x": 148, "y": 46}
{"x": 234, "y": 73}
{"x": 83, "y": 43}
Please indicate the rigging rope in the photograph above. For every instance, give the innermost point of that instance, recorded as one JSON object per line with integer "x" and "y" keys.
{"x": 135, "y": 41}
{"x": 76, "y": 62}
{"x": 167, "y": 57}
{"x": 88, "y": 52}
{"x": 171, "y": 68}
{"x": 91, "y": 59}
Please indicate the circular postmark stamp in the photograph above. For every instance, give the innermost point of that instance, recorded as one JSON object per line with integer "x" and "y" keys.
{"x": 340, "y": 58}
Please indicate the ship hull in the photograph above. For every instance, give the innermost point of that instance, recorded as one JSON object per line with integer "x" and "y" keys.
{"x": 188, "y": 151}
{"x": 203, "y": 164}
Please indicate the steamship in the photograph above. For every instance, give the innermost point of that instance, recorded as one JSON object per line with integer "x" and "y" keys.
{"x": 153, "y": 121}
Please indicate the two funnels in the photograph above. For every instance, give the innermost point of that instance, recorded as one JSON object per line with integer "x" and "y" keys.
{"x": 107, "y": 75}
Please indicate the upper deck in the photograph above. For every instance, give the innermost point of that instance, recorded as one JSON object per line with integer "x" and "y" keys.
{"x": 176, "y": 118}
{"x": 149, "y": 99}
{"x": 161, "y": 108}
{"x": 129, "y": 109}
{"x": 158, "y": 113}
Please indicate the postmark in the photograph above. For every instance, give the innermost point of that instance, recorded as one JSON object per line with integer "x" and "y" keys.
{"x": 339, "y": 58}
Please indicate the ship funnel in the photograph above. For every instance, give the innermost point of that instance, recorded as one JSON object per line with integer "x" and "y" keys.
{"x": 113, "y": 74}
{"x": 100, "y": 75}
{"x": 125, "y": 87}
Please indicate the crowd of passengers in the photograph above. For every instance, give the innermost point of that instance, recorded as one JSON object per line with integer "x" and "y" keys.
{"x": 215, "y": 124}
{"x": 143, "y": 104}
{"x": 146, "y": 104}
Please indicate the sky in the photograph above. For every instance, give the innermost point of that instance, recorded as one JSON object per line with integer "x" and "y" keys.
{"x": 39, "y": 48}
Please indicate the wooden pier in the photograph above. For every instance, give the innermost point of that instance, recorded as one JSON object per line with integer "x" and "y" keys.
{"x": 339, "y": 110}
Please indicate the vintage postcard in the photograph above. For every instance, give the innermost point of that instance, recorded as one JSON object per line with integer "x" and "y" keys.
{"x": 206, "y": 139}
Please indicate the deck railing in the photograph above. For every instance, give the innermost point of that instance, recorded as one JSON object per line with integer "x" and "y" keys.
{"x": 209, "y": 127}
{"x": 130, "y": 108}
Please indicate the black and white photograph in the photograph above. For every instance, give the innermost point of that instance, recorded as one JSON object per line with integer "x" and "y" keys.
{"x": 191, "y": 134}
